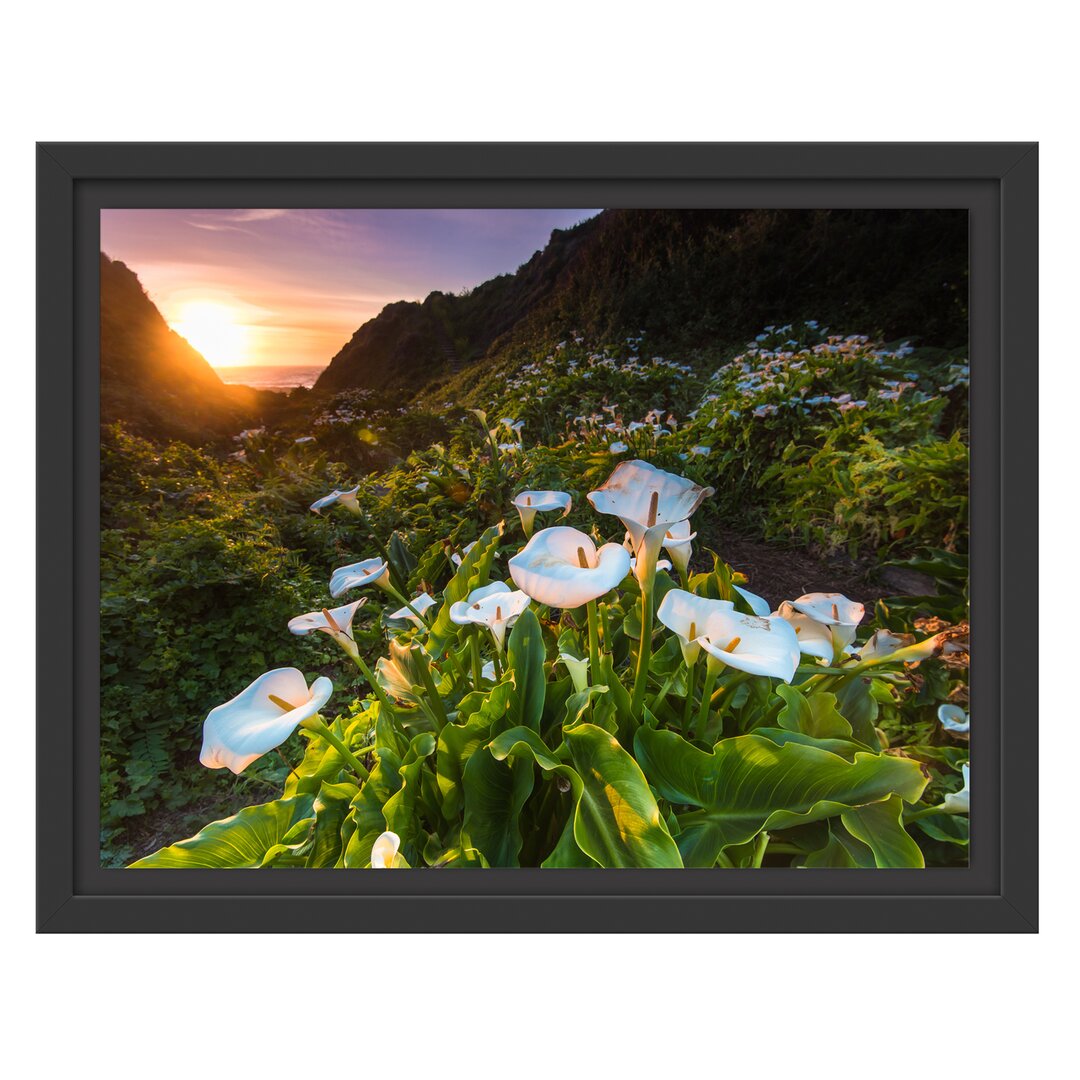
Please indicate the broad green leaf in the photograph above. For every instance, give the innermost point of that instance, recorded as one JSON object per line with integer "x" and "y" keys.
{"x": 458, "y": 743}
{"x": 812, "y": 714}
{"x": 525, "y": 655}
{"x": 617, "y": 822}
{"x": 331, "y": 807}
{"x": 365, "y": 822}
{"x": 842, "y": 747}
{"x": 856, "y": 703}
{"x": 471, "y": 574}
{"x": 243, "y": 840}
{"x": 495, "y": 792}
{"x": 833, "y": 856}
{"x": 749, "y": 783}
{"x": 400, "y": 810}
{"x": 950, "y": 828}
{"x": 880, "y": 827}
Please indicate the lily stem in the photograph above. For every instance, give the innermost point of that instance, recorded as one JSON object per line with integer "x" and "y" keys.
{"x": 317, "y": 725}
{"x": 435, "y": 703}
{"x": 644, "y": 647}
{"x": 759, "y": 849}
{"x": 711, "y": 671}
{"x": 688, "y": 705}
{"x": 379, "y": 692}
{"x": 477, "y": 667}
{"x": 594, "y": 643}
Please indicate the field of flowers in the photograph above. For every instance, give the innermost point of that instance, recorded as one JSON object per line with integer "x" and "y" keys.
{"x": 501, "y": 635}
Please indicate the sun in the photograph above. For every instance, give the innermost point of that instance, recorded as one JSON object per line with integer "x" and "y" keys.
{"x": 213, "y": 330}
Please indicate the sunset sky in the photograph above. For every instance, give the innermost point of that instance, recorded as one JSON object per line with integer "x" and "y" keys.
{"x": 291, "y": 286}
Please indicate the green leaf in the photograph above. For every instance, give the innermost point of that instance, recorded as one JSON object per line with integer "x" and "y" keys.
{"x": 749, "y": 783}
{"x": 365, "y": 822}
{"x": 458, "y": 743}
{"x": 950, "y": 828}
{"x": 495, "y": 792}
{"x": 812, "y": 714}
{"x": 617, "y": 821}
{"x": 471, "y": 574}
{"x": 880, "y": 827}
{"x": 243, "y": 840}
{"x": 400, "y": 810}
{"x": 833, "y": 856}
{"x": 525, "y": 655}
{"x": 855, "y": 702}
{"x": 842, "y": 747}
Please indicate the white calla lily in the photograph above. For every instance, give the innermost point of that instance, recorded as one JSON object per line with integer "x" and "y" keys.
{"x": 815, "y": 639}
{"x": 953, "y": 718}
{"x": 959, "y": 802}
{"x": 677, "y": 543}
{"x": 835, "y": 611}
{"x": 337, "y": 622}
{"x": 578, "y": 668}
{"x": 530, "y": 503}
{"x": 384, "y": 852}
{"x": 457, "y": 559}
{"x": 415, "y": 609}
{"x": 756, "y": 645}
{"x": 488, "y": 671}
{"x": 883, "y": 643}
{"x": 348, "y": 499}
{"x": 260, "y": 718}
{"x": 690, "y": 618}
{"x": 355, "y": 575}
{"x": 649, "y": 502}
{"x": 561, "y": 567}
{"x": 494, "y": 606}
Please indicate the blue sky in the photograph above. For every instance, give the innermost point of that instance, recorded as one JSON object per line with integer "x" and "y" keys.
{"x": 291, "y": 286}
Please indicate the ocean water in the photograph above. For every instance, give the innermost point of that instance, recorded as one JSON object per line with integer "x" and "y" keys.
{"x": 272, "y": 376}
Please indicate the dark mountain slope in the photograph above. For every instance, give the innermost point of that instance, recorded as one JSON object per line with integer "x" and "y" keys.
{"x": 151, "y": 378}
{"x": 692, "y": 279}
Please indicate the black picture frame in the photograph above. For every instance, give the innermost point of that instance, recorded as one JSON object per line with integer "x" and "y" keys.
{"x": 996, "y": 182}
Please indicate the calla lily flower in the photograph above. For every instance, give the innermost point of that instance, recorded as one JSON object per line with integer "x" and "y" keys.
{"x": 530, "y": 503}
{"x": 953, "y": 718}
{"x": 579, "y": 670}
{"x": 835, "y": 611}
{"x": 756, "y": 645}
{"x": 357, "y": 574}
{"x": 561, "y": 567}
{"x": 677, "y": 543}
{"x": 649, "y": 502}
{"x": 883, "y": 643}
{"x": 618, "y": 447}
{"x": 420, "y": 604}
{"x": 690, "y": 618}
{"x": 384, "y": 852}
{"x": 336, "y": 622}
{"x": 814, "y": 638}
{"x": 494, "y": 606}
{"x": 261, "y": 718}
{"x": 958, "y": 802}
{"x": 488, "y": 671}
{"x": 457, "y": 559}
{"x": 347, "y": 499}
{"x": 758, "y": 605}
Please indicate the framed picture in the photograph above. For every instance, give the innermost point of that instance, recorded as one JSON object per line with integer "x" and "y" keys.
{"x": 629, "y": 533}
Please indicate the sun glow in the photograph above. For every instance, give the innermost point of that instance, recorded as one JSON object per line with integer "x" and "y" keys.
{"x": 213, "y": 330}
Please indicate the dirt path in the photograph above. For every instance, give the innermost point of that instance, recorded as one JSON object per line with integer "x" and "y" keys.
{"x": 778, "y": 571}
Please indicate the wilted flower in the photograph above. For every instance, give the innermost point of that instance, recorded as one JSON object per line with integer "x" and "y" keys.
{"x": 530, "y": 503}
{"x": 347, "y": 499}
{"x": 355, "y": 575}
{"x": 494, "y": 606}
{"x": 561, "y": 567}
{"x": 261, "y": 718}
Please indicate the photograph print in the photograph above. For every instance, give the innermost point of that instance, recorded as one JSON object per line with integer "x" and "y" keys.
{"x": 497, "y": 538}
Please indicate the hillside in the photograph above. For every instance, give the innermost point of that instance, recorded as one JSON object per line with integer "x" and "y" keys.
{"x": 151, "y": 378}
{"x": 691, "y": 279}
